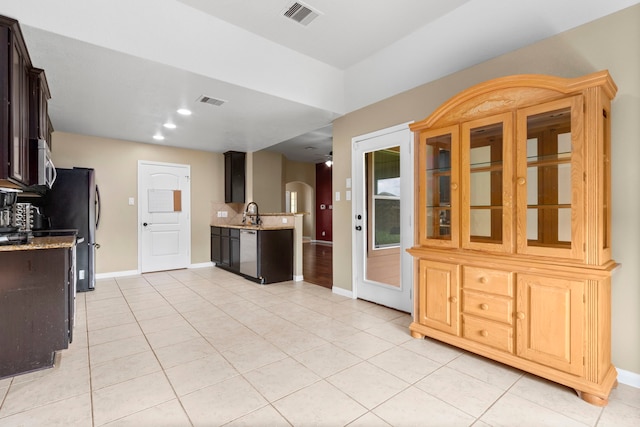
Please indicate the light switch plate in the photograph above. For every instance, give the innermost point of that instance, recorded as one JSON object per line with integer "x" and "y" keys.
{"x": 131, "y": 201}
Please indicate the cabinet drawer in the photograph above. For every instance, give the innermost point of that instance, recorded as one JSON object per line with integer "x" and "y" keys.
{"x": 488, "y": 306}
{"x": 487, "y": 280}
{"x": 487, "y": 332}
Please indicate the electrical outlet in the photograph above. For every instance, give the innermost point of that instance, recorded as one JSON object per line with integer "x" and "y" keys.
{"x": 80, "y": 274}
{"x": 131, "y": 201}
{"x": 284, "y": 220}
{"x": 323, "y": 233}
{"x": 224, "y": 214}
{"x": 219, "y": 214}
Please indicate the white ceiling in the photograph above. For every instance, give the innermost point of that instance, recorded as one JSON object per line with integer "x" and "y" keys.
{"x": 120, "y": 69}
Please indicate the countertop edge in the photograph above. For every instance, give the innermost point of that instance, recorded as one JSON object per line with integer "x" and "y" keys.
{"x": 48, "y": 242}
{"x": 255, "y": 227}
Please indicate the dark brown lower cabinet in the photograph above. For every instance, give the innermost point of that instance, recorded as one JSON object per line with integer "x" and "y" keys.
{"x": 273, "y": 253}
{"x": 36, "y": 308}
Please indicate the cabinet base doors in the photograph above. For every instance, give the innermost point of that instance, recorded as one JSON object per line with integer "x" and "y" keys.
{"x": 550, "y": 316}
{"x": 438, "y": 296}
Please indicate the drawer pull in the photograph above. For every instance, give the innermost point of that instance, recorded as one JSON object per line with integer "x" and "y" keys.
{"x": 520, "y": 315}
{"x": 453, "y": 300}
{"x": 484, "y": 280}
{"x": 484, "y": 306}
{"x": 484, "y": 333}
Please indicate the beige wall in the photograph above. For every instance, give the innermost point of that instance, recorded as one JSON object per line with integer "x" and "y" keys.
{"x": 268, "y": 181}
{"x": 611, "y": 43}
{"x": 306, "y": 201}
{"x": 296, "y": 173}
{"x": 300, "y": 171}
{"x": 116, "y": 165}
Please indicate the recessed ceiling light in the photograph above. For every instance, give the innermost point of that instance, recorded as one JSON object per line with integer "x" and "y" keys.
{"x": 169, "y": 125}
{"x": 184, "y": 112}
{"x": 158, "y": 137}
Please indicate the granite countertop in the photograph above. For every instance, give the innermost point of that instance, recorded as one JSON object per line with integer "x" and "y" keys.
{"x": 49, "y": 242}
{"x": 255, "y": 227}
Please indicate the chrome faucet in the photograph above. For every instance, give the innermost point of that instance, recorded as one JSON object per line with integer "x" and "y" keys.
{"x": 252, "y": 211}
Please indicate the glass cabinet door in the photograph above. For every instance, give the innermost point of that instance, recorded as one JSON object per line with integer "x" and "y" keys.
{"x": 439, "y": 187}
{"x": 550, "y": 182}
{"x": 487, "y": 195}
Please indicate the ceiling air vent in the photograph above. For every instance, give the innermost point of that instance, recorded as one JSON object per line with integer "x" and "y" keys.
{"x": 212, "y": 101}
{"x": 301, "y": 13}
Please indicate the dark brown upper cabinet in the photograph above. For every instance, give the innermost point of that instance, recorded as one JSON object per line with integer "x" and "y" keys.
{"x": 234, "y": 177}
{"x": 14, "y": 109}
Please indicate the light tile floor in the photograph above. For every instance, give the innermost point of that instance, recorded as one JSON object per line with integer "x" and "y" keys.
{"x": 205, "y": 348}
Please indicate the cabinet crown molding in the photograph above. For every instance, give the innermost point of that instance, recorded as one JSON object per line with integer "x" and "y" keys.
{"x": 501, "y": 92}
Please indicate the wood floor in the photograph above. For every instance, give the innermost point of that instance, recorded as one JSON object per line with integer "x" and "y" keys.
{"x": 317, "y": 264}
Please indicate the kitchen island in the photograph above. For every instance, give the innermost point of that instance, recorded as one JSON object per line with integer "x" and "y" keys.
{"x": 37, "y": 295}
{"x": 261, "y": 253}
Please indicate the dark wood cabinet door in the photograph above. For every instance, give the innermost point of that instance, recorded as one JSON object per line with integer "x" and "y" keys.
{"x": 14, "y": 108}
{"x": 19, "y": 112}
{"x": 216, "y": 254}
{"x": 225, "y": 251}
{"x": 234, "y": 249}
{"x": 234, "y": 177}
{"x": 38, "y": 99}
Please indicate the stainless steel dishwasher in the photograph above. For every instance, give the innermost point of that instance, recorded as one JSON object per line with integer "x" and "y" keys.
{"x": 249, "y": 252}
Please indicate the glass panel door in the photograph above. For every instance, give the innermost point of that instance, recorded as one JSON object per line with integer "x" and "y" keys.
{"x": 439, "y": 187}
{"x": 487, "y": 167}
{"x": 550, "y": 179}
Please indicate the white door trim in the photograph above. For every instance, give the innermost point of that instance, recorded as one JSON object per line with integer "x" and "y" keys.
{"x": 406, "y": 202}
{"x": 186, "y": 208}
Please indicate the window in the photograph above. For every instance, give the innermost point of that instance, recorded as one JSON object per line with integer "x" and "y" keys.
{"x": 385, "y": 209}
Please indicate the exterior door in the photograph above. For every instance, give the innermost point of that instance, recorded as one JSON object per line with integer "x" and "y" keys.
{"x": 164, "y": 234}
{"x": 382, "y": 211}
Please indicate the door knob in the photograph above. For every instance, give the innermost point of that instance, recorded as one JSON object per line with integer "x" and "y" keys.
{"x": 358, "y": 227}
{"x": 145, "y": 224}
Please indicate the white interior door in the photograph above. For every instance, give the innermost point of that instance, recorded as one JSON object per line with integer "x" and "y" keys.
{"x": 382, "y": 217}
{"x": 164, "y": 203}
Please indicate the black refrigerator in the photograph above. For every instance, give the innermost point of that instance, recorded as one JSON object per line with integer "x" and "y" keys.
{"x": 73, "y": 203}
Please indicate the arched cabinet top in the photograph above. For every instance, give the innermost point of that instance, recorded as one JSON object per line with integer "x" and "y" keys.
{"x": 511, "y": 92}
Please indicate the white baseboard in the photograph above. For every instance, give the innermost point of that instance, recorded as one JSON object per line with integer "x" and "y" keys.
{"x": 322, "y": 242}
{"x": 202, "y": 265}
{"x": 342, "y": 292}
{"x": 299, "y": 278}
{"x": 117, "y": 274}
{"x": 629, "y": 378}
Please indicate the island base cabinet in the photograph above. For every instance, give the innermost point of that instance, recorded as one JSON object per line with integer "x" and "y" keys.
{"x": 272, "y": 254}
{"x": 35, "y": 308}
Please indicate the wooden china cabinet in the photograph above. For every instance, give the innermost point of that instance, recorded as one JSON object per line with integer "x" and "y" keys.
{"x": 513, "y": 241}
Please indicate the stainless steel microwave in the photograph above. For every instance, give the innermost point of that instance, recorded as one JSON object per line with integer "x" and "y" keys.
{"x": 42, "y": 172}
